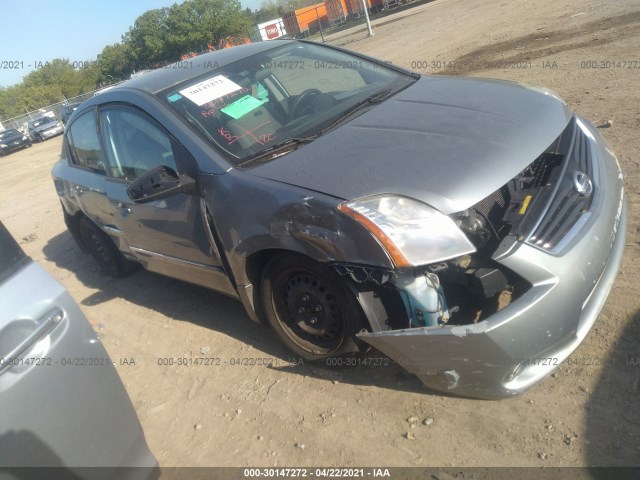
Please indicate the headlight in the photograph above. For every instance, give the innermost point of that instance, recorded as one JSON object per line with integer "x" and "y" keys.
{"x": 3, "y": 145}
{"x": 411, "y": 232}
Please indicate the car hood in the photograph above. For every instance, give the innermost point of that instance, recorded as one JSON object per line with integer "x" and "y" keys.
{"x": 449, "y": 142}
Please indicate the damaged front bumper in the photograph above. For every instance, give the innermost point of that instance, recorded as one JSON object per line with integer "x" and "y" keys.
{"x": 527, "y": 340}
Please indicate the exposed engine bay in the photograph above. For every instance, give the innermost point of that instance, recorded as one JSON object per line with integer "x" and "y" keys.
{"x": 470, "y": 288}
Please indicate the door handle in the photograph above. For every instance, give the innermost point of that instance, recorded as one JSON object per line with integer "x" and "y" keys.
{"x": 79, "y": 190}
{"x": 122, "y": 206}
{"x": 20, "y": 335}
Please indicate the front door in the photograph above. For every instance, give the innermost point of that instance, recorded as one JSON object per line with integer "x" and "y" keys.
{"x": 169, "y": 236}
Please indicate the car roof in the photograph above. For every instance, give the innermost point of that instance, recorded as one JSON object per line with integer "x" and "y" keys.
{"x": 165, "y": 77}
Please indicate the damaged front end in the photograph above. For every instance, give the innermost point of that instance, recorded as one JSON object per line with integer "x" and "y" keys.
{"x": 506, "y": 289}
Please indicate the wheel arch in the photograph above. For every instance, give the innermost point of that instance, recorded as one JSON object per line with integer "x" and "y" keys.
{"x": 72, "y": 221}
{"x": 249, "y": 289}
{"x": 320, "y": 277}
{"x": 255, "y": 264}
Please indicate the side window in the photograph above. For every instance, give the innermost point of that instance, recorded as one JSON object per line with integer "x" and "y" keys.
{"x": 134, "y": 143}
{"x": 84, "y": 143}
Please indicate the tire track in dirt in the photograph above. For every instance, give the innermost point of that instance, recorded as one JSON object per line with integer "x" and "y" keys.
{"x": 525, "y": 48}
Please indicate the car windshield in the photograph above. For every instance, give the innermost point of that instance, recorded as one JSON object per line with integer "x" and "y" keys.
{"x": 8, "y": 134}
{"x": 275, "y": 101}
{"x": 41, "y": 121}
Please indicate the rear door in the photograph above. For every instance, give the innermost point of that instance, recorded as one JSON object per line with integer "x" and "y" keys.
{"x": 85, "y": 180}
{"x": 63, "y": 404}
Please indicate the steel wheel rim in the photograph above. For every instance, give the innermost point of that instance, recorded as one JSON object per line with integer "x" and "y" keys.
{"x": 310, "y": 312}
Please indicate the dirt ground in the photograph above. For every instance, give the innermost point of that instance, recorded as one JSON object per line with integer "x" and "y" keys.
{"x": 288, "y": 414}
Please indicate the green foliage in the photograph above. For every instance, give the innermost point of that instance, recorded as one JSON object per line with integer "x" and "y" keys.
{"x": 51, "y": 83}
{"x": 196, "y": 23}
{"x": 272, "y": 9}
{"x": 157, "y": 37}
{"x": 269, "y": 9}
{"x": 165, "y": 34}
{"x": 146, "y": 39}
{"x": 116, "y": 62}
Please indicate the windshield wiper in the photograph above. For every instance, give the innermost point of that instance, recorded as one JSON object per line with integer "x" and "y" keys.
{"x": 296, "y": 142}
{"x": 279, "y": 149}
{"x": 356, "y": 107}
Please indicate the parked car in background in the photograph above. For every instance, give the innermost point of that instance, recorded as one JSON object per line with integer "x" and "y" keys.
{"x": 12, "y": 140}
{"x": 67, "y": 110}
{"x": 470, "y": 229}
{"x": 65, "y": 405}
{"x": 44, "y": 128}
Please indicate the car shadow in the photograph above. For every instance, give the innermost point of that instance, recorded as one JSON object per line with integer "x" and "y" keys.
{"x": 184, "y": 302}
{"x": 372, "y": 369}
{"x": 613, "y": 409}
{"x": 25, "y": 456}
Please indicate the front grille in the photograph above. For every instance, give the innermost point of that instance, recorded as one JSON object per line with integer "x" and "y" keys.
{"x": 541, "y": 171}
{"x": 573, "y": 196}
{"x": 493, "y": 207}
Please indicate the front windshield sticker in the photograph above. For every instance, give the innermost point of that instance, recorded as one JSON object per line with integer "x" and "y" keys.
{"x": 243, "y": 106}
{"x": 252, "y": 135}
{"x": 208, "y": 90}
{"x": 253, "y": 109}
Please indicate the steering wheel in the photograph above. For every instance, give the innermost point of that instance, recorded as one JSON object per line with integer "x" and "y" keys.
{"x": 301, "y": 99}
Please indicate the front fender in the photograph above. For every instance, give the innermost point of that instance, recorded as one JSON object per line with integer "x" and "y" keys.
{"x": 253, "y": 215}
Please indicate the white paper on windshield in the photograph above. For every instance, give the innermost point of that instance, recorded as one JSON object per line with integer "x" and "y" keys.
{"x": 209, "y": 90}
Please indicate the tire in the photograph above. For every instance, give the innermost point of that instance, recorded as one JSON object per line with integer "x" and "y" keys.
{"x": 103, "y": 250}
{"x": 309, "y": 307}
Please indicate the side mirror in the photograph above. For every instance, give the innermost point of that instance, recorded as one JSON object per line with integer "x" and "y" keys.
{"x": 158, "y": 183}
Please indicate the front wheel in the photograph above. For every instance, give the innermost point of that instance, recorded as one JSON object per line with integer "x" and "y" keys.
{"x": 103, "y": 250}
{"x": 310, "y": 308}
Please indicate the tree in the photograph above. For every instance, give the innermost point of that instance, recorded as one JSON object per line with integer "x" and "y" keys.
{"x": 11, "y": 102}
{"x": 196, "y": 23}
{"x": 157, "y": 36}
{"x": 48, "y": 84}
{"x": 62, "y": 79}
{"x": 147, "y": 37}
{"x": 116, "y": 62}
{"x": 270, "y": 9}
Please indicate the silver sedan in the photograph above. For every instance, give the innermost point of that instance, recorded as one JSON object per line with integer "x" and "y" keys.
{"x": 469, "y": 229}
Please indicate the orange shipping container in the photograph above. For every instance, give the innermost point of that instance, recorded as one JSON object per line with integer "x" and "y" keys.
{"x": 336, "y": 11}
{"x": 305, "y": 21}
